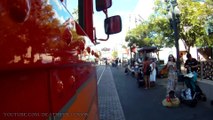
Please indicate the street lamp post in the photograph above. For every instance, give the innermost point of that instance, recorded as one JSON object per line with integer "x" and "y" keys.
{"x": 173, "y": 16}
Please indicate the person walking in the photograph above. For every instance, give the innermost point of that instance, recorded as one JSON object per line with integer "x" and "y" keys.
{"x": 146, "y": 64}
{"x": 172, "y": 74}
{"x": 106, "y": 63}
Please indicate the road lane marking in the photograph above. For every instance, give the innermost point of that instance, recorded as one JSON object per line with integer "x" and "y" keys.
{"x": 101, "y": 76}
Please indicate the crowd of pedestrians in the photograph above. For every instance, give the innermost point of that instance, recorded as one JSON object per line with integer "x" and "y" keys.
{"x": 147, "y": 71}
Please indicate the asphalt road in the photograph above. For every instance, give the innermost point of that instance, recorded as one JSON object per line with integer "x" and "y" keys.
{"x": 141, "y": 104}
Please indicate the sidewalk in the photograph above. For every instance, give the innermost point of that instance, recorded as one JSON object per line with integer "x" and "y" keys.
{"x": 109, "y": 103}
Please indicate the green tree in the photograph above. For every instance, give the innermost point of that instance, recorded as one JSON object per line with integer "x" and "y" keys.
{"x": 114, "y": 54}
{"x": 159, "y": 26}
{"x": 139, "y": 36}
{"x": 157, "y": 31}
{"x": 192, "y": 23}
{"x": 192, "y": 27}
{"x": 154, "y": 32}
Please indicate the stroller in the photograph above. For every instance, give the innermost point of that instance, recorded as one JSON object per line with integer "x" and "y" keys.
{"x": 140, "y": 79}
{"x": 193, "y": 93}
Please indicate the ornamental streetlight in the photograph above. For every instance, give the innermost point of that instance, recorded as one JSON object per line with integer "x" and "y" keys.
{"x": 174, "y": 18}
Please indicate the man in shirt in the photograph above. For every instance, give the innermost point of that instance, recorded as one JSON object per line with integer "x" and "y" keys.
{"x": 191, "y": 65}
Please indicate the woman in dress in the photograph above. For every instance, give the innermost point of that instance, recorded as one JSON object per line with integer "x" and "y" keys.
{"x": 146, "y": 63}
{"x": 172, "y": 75}
{"x": 154, "y": 71}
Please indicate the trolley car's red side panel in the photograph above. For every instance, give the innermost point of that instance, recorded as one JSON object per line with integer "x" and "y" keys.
{"x": 45, "y": 66}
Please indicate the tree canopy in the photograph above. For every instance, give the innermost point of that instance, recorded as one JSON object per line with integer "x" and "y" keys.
{"x": 157, "y": 30}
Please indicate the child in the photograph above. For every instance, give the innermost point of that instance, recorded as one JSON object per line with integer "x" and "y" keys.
{"x": 171, "y": 100}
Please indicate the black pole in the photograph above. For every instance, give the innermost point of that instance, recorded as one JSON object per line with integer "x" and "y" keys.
{"x": 176, "y": 35}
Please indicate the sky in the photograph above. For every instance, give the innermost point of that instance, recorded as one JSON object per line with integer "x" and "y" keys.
{"x": 123, "y": 8}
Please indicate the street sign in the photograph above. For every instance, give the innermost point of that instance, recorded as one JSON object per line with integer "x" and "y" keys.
{"x": 105, "y": 49}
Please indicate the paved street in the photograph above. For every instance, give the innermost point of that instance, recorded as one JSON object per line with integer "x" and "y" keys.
{"x": 121, "y": 99}
{"x": 109, "y": 103}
